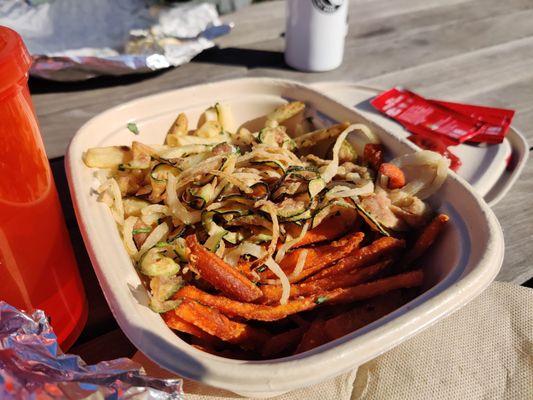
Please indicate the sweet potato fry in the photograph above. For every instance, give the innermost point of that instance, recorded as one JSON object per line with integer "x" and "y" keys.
{"x": 330, "y": 229}
{"x": 177, "y": 323}
{"x": 278, "y": 344}
{"x": 395, "y": 175}
{"x": 375, "y": 251}
{"x": 320, "y": 257}
{"x": 272, "y": 293}
{"x": 219, "y": 274}
{"x": 314, "y": 336}
{"x": 426, "y": 238}
{"x": 234, "y": 308}
{"x": 358, "y": 317}
{"x": 216, "y": 324}
{"x": 372, "y": 289}
{"x": 245, "y": 267}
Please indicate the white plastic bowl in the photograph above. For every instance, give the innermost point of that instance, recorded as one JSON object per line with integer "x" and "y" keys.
{"x": 464, "y": 261}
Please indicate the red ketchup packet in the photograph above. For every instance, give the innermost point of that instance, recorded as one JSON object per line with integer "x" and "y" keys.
{"x": 410, "y": 109}
{"x": 496, "y": 121}
{"x": 436, "y": 125}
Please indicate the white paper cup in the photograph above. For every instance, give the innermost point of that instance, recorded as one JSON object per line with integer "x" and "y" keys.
{"x": 315, "y": 32}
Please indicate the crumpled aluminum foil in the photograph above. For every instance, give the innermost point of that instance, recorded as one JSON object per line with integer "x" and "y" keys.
{"x": 72, "y": 40}
{"x": 33, "y": 367}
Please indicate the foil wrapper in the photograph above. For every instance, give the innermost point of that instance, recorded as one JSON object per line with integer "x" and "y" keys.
{"x": 33, "y": 367}
{"x": 72, "y": 40}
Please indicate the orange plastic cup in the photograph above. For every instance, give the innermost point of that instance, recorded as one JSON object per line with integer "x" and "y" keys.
{"x": 37, "y": 265}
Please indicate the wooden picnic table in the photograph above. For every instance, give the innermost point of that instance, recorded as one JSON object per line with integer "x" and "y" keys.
{"x": 478, "y": 51}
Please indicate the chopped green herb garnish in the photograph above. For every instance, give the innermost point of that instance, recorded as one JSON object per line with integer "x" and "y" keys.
{"x": 261, "y": 268}
{"x": 121, "y": 167}
{"x": 161, "y": 244}
{"x": 321, "y": 299}
{"x": 142, "y": 230}
{"x": 132, "y": 127}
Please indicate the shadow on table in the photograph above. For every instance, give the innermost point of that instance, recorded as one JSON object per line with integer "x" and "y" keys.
{"x": 39, "y": 85}
{"x": 248, "y": 58}
{"x": 100, "y": 320}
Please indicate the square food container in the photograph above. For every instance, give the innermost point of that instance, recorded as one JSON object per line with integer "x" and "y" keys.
{"x": 462, "y": 263}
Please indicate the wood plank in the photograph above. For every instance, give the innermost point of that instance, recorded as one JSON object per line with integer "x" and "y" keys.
{"x": 516, "y": 218}
{"x": 518, "y": 96}
{"x": 467, "y": 74}
{"x": 62, "y": 114}
{"x": 469, "y": 50}
{"x": 251, "y": 25}
{"x": 441, "y": 12}
{"x": 398, "y": 57}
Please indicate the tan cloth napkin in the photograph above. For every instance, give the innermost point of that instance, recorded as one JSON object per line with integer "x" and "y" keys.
{"x": 483, "y": 351}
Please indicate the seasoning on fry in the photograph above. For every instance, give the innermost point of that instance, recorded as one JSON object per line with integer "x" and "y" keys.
{"x": 375, "y": 251}
{"x": 221, "y": 275}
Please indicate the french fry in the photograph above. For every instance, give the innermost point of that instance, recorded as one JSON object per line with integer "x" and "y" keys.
{"x": 209, "y": 130}
{"x": 107, "y": 157}
{"x": 319, "y": 257}
{"x": 286, "y": 111}
{"x": 313, "y": 337}
{"x": 358, "y": 317}
{"x": 219, "y": 274}
{"x": 279, "y": 344}
{"x": 180, "y": 127}
{"x": 375, "y": 251}
{"x": 330, "y": 229}
{"x": 372, "y": 289}
{"x": 248, "y": 311}
{"x": 216, "y": 324}
{"x": 272, "y": 293}
{"x": 312, "y": 138}
{"x": 426, "y": 238}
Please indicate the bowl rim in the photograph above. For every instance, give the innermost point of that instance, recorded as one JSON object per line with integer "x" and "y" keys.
{"x": 308, "y": 368}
